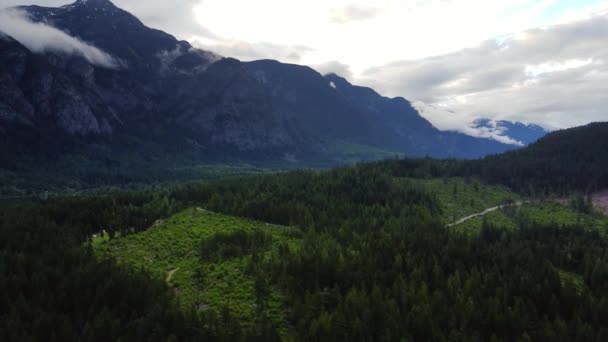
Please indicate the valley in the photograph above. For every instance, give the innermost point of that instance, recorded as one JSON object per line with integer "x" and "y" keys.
{"x": 295, "y": 255}
{"x": 154, "y": 190}
{"x": 170, "y": 249}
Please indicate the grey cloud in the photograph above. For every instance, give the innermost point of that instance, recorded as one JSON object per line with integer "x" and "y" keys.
{"x": 352, "y": 13}
{"x": 253, "y": 51}
{"x": 174, "y": 17}
{"x": 493, "y": 79}
{"x": 335, "y": 67}
{"x": 40, "y": 38}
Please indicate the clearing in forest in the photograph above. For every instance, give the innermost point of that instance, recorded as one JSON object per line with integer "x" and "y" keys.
{"x": 172, "y": 251}
{"x": 460, "y": 197}
{"x": 546, "y": 213}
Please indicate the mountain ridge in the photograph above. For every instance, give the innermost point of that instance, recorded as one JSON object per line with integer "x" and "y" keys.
{"x": 172, "y": 104}
{"x": 523, "y": 133}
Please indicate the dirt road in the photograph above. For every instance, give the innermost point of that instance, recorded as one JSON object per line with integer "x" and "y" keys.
{"x": 485, "y": 212}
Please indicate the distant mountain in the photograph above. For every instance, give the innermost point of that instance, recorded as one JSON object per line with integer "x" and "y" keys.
{"x": 507, "y": 132}
{"x": 520, "y": 132}
{"x": 169, "y": 104}
{"x": 405, "y": 129}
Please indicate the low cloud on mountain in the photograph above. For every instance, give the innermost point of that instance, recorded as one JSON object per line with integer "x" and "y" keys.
{"x": 41, "y": 38}
{"x": 254, "y": 51}
{"x": 334, "y": 67}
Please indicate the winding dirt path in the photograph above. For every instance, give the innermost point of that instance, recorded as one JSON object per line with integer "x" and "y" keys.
{"x": 170, "y": 275}
{"x": 485, "y": 212}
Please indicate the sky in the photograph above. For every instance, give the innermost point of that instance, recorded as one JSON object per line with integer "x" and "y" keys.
{"x": 541, "y": 61}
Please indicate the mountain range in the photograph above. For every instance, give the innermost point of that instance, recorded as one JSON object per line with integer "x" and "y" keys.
{"x": 158, "y": 100}
{"x": 524, "y": 134}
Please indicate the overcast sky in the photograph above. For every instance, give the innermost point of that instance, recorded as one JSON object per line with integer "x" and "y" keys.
{"x": 542, "y": 61}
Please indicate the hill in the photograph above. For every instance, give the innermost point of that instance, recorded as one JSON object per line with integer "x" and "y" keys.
{"x": 569, "y": 160}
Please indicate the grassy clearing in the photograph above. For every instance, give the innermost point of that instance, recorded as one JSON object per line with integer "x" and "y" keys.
{"x": 460, "y": 198}
{"x": 572, "y": 280}
{"x": 170, "y": 250}
{"x": 540, "y": 213}
{"x": 555, "y": 213}
{"x": 473, "y": 226}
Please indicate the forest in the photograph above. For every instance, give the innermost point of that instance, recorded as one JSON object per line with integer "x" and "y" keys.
{"x": 375, "y": 263}
{"x": 563, "y": 162}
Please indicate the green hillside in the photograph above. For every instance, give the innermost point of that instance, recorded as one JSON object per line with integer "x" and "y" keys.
{"x": 171, "y": 251}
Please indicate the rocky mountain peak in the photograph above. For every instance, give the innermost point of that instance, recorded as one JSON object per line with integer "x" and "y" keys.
{"x": 96, "y": 4}
{"x": 96, "y": 9}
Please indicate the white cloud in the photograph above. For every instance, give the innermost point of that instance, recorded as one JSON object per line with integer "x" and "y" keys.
{"x": 334, "y": 67}
{"x": 549, "y": 67}
{"x": 353, "y": 12}
{"x": 40, "y": 38}
{"x": 452, "y": 121}
{"x": 249, "y": 51}
{"x": 556, "y": 76}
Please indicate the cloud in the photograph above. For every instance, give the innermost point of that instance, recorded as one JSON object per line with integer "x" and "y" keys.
{"x": 555, "y": 76}
{"x": 334, "y": 67}
{"x": 353, "y": 12}
{"x": 175, "y": 17}
{"x": 253, "y": 51}
{"x": 41, "y": 38}
{"x": 450, "y": 120}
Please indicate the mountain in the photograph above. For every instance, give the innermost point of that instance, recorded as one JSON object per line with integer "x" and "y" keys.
{"x": 404, "y": 128}
{"x": 166, "y": 104}
{"x": 517, "y": 131}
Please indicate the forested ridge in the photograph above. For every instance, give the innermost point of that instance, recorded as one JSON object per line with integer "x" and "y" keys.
{"x": 562, "y": 163}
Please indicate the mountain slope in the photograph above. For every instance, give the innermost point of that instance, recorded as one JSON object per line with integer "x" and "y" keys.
{"x": 571, "y": 159}
{"x": 405, "y": 129}
{"x": 167, "y": 104}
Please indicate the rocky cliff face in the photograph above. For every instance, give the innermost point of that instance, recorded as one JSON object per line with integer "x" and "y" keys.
{"x": 166, "y": 93}
{"x": 38, "y": 92}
